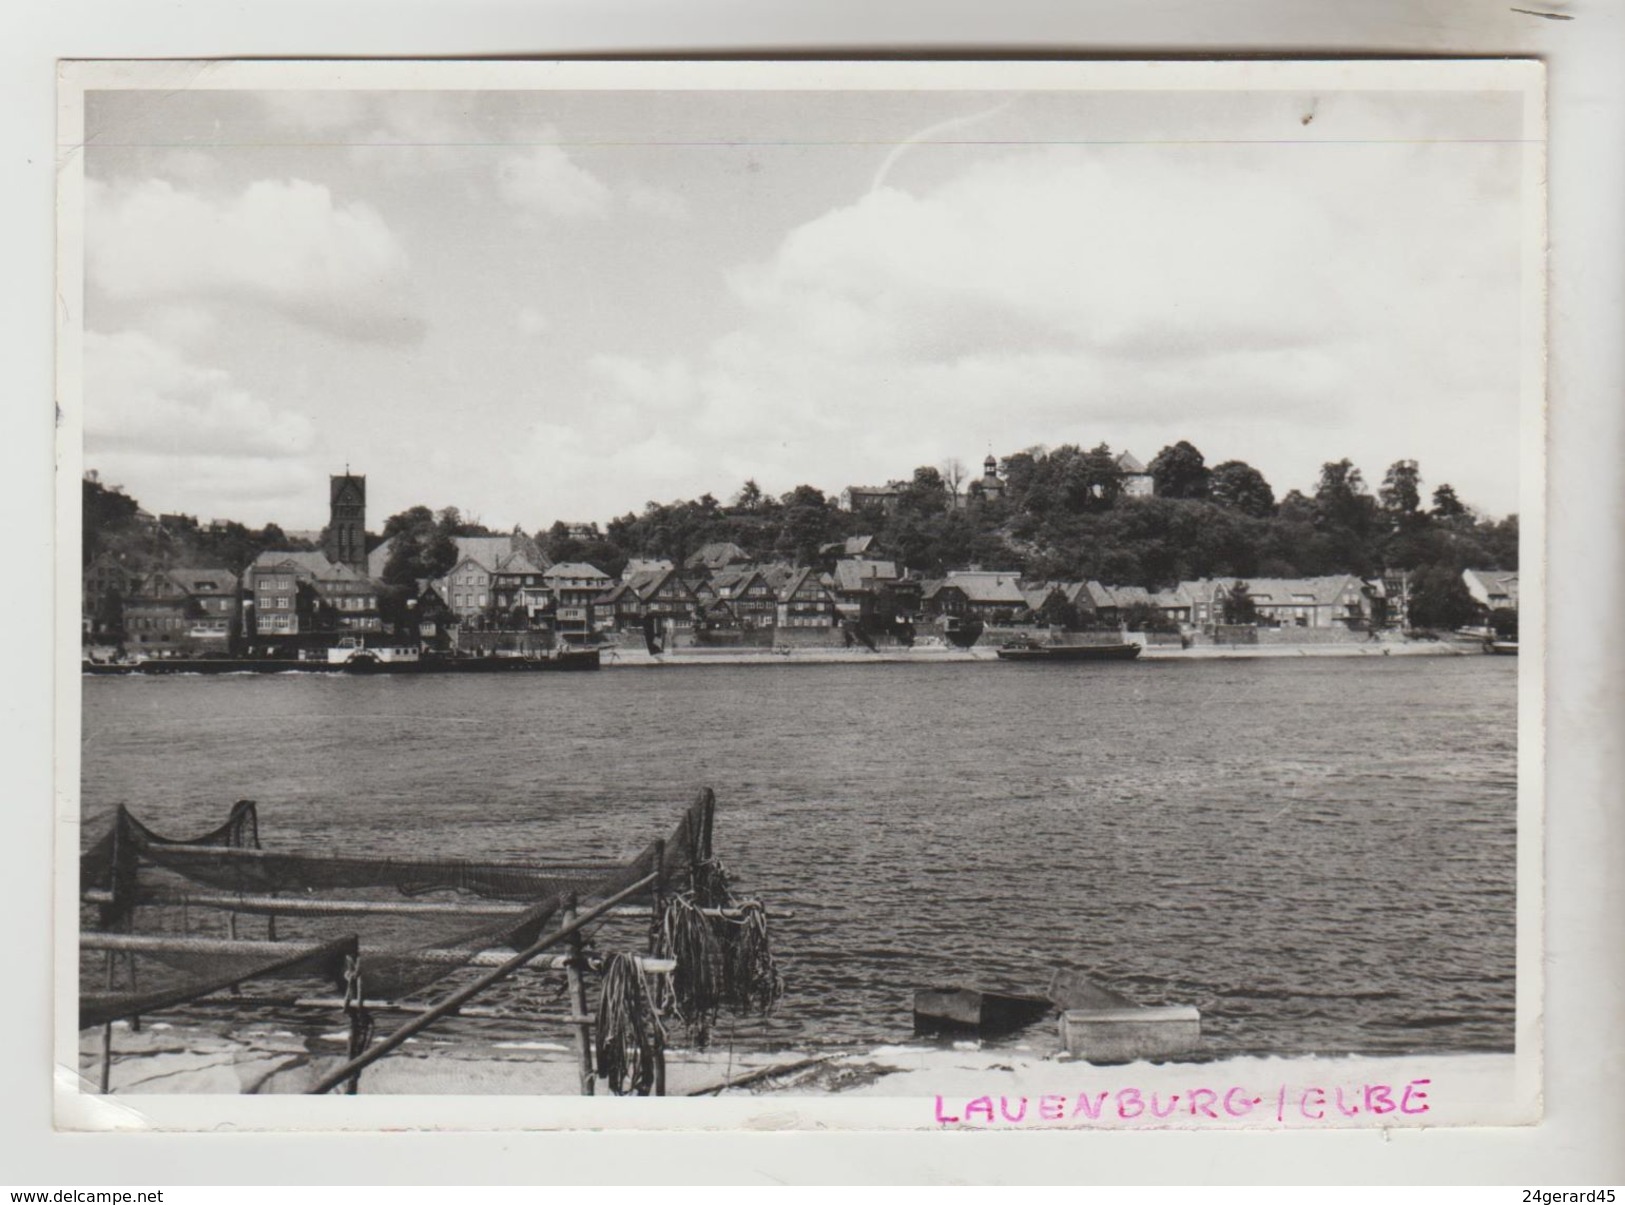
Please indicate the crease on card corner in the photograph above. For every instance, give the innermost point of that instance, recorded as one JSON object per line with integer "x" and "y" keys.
{"x": 80, "y": 1107}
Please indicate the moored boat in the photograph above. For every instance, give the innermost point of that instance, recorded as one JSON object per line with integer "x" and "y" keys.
{"x": 1033, "y": 650}
{"x": 977, "y": 1010}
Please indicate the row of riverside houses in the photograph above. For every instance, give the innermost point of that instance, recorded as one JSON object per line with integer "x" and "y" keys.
{"x": 507, "y": 584}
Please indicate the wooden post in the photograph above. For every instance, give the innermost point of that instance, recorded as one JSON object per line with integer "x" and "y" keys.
{"x": 129, "y": 965}
{"x": 578, "y": 1000}
{"x": 107, "y": 1033}
{"x": 654, "y": 948}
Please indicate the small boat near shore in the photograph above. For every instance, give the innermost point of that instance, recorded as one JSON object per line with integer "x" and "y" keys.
{"x": 976, "y": 1010}
{"x": 1027, "y": 649}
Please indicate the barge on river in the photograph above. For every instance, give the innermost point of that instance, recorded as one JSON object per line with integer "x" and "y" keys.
{"x": 1027, "y": 649}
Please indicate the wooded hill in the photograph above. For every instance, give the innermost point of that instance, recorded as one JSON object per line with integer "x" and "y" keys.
{"x": 1062, "y": 516}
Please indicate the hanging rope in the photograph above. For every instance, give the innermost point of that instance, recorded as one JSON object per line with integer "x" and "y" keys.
{"x": 751, "y": 982}
{"x": 723, "y": 961}
{"x": 631, "y": 1040}
{"x": 693, "y": 991}
{"x": 361, "y": 1022}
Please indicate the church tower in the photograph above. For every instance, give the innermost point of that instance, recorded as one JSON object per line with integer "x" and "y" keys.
{"x": 347, "y": 521}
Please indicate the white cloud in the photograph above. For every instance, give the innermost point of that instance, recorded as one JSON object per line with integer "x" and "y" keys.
{"x": 140, "y": 396}
{"x": 1358, "y": 302}
{"x": 543, "y": 179}
{"x": 184, "y": 437}
{"x": 285, "y": 245}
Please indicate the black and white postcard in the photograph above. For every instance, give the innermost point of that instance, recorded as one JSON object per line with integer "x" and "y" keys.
{"x": 936, "y": 596}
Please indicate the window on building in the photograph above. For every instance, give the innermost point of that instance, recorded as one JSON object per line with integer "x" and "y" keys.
{"x": 282, "y": 601}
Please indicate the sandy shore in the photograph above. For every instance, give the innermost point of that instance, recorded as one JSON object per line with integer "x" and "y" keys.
{"x": 963, "y": 1084}
{"x": 637, "y": 658}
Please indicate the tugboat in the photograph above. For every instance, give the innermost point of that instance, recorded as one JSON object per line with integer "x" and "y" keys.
{"x": 1025, "y": 648}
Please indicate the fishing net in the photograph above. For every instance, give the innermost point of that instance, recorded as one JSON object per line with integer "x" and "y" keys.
{"x": 190, "y": 895}
{"x": 165, "y": 916}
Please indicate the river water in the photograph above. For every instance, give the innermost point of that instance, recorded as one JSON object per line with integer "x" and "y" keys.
{"x": 1318, "y": 853}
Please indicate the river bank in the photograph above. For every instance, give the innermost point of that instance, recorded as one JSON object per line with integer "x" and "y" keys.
{"x": 636, "y": 658}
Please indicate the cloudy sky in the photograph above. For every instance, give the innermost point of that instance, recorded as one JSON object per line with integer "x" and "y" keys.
{"x": 561, "y": 305}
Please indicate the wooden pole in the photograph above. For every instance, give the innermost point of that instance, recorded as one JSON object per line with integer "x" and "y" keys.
{"x": 157, "y": 944}
{"x": 654, "y": 947}
{"x": 578, "y": 1001}
{"x": 465, "y": 994}
{"x": 107, "y": 1034}
{"x": 277, "y": 905}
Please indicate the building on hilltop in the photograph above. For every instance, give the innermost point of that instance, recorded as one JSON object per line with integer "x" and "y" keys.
{"x": 1136, "y": 478}
{"x": 872, "y": 497}
{"x": 989, "y": 486}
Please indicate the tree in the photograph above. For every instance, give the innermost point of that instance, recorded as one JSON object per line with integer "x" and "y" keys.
{"x": 1236, "y": 485}
{"x": 1238, "y": 604}
{"x": 1295, "y": 508}
{"x": 925, "y": 494}
{"x": 1341, "y": 500}
{"x": 1445, "y": 503}
{"x": 1401, "y": 493}
{"x": 1056, "y": 612}
{"x": 421, "y": 545}
{"x": 1179, "y": 471}
{"x": 1104, "y": 478}
{"x": 1439, "y": 599}
{"x": 954, "y": 474}
{"x": 1143, "y": 617}
{"x": 749, "y": 497}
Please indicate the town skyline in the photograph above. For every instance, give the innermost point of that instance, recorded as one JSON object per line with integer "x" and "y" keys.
{"x": 594, "y": 300}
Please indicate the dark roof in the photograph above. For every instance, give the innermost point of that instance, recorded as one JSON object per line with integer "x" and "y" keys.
{"x": 855, "y": 574}
{"x": 984, "y": 587}
{"x": 716, "y": 556}
{"x": 313, "y": 565}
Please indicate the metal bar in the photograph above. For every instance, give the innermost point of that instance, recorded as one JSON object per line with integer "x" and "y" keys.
{"x": 465, "y": 994}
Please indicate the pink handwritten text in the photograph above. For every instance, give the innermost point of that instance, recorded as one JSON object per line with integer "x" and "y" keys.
{"x": 1282, "y": 1104}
